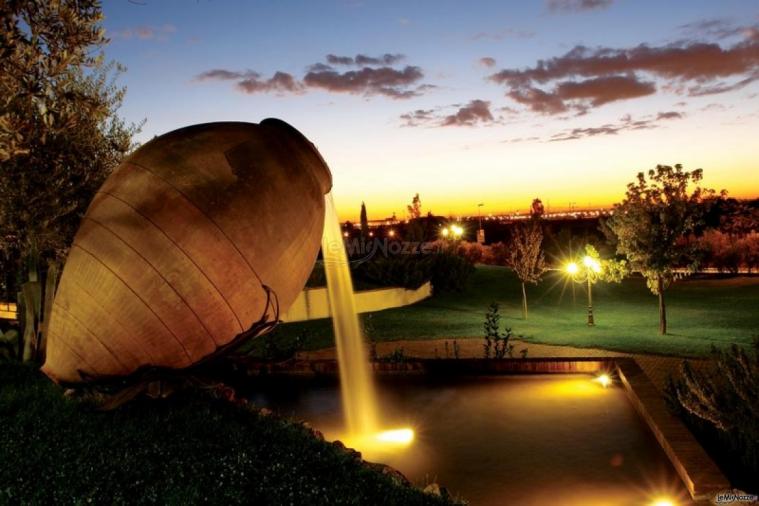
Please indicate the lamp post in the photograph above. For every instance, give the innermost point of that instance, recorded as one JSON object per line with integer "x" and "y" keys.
{"x": 588, "y": 273}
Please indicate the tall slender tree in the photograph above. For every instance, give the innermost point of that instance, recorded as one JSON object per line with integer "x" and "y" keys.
{"x": 60, "y": 136}
{"x": 650, "y": 225}
{"x": 364, "y": 222}
{"x": 526, "y": 257}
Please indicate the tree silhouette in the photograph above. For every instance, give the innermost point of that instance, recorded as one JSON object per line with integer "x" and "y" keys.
{"x": 364, "y": 222}
{"x": 652, "y": 222}
{"x": 537, "y": 209}
{"x": 415, "y": 208}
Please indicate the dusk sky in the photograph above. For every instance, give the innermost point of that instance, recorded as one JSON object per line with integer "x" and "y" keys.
{"x": 463, "y": 102}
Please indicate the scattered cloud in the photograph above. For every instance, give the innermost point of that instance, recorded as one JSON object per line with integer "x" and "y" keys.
{"x": 669, "y": 115}
{"x": 394, "y": 83}
{"x": 419, "y": 117}
{"x": 224, "y": 75}
{"x": 362, "y": 59}
{"x": 375, "y": 76}
{"x": 606, "y": 74}
{"x": 577, "y": 5}
{"x": 719, "y": 28}
{"x": 714, "y": 107}
{"x": 476, "y": 112}
{"x": 487, "y": 61}
{"x": 506, "y": 33}
{"x": 280, "y": 82}
{"x": 144, "y": 32}
{"x": 522, "y": 139}
{"x": 625, "y": 123}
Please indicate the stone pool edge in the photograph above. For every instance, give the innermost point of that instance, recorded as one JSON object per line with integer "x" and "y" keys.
{"x": 700, "y": 475}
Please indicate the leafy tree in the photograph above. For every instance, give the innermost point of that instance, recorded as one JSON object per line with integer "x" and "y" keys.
{"x": 611, "y": 270}
{"x": 415, "y": 230}
{"x": 364, "y": 222}
{"x": 537, "y": 209}
{"x": 415, "y": 208}
{"x": 60, "y": 136}
{"x": 650, "y": 225}
{"x": 526, "y": 256}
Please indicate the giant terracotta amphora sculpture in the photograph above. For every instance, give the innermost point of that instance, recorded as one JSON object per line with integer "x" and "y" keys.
{"x": 198, "y": 238}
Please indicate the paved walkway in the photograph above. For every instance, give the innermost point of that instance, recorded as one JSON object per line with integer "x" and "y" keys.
{"x": 656, "y": 367}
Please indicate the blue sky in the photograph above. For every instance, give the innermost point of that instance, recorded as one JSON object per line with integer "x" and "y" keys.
{"x": 443, "y": 126}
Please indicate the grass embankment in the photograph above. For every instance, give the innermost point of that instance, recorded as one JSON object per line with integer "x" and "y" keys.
{"x": 188, "y": 449}
{"x": 701, "y": 311}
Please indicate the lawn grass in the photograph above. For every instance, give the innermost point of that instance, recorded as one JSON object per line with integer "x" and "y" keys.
{"x": 188, "y": 449}
{"x": 701, "y": 312}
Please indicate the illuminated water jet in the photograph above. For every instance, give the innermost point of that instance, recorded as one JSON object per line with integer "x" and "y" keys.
{"x": 357, "y": 387}
{"x": 356, "y": 383}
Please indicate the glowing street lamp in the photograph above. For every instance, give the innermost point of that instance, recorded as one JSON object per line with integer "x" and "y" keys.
{"x": 587, "y": 273}
{"x": 453, "y": 232}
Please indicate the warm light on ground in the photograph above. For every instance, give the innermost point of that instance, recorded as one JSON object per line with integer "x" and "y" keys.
{"x": 380, "y": 444}
{"x": 397, "y": 436}
{"x": 604, "y": 380}
{"x": 663, "y": 502}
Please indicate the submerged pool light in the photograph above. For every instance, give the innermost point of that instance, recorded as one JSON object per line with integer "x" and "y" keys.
{"x": 396, "y": 436}
{"x": 605, "y": 380}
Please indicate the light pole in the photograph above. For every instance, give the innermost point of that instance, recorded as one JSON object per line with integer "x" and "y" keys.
{"x": 587, "y": 273}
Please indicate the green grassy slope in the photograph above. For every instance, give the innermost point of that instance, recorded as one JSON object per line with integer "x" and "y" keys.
{"x": 701, "y": 312}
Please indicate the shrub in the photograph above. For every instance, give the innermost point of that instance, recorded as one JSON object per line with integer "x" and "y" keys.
{"x": 496, "y": 344}
{"x": 721, "y": 405}
{"x": 444, "y": 268}
{"x": 407, "y": 271}
{"x": 450, "y": 272}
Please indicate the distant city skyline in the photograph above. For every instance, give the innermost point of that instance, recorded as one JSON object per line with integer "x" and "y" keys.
{"x": 494, "y": 102}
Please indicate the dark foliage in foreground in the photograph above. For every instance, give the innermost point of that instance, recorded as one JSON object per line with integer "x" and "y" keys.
{"x": 721, "y": 406}
{"x": 188, "y": 449}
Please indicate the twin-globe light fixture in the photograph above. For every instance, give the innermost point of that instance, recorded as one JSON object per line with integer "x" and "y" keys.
{"x": 453, "y": 231}
{"x": 592, "y": 268}
{"x": 590, "y": 263}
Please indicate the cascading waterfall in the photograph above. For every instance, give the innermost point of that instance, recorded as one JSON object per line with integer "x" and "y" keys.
{"x": 356, "y": 382}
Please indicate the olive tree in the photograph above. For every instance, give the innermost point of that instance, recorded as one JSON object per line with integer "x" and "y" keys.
{"x": 60, "y": 136}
